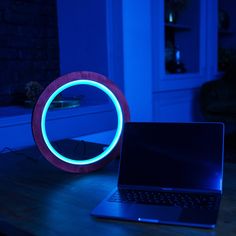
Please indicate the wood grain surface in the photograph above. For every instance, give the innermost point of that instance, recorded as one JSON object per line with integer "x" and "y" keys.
{"x": 40, "y": 199}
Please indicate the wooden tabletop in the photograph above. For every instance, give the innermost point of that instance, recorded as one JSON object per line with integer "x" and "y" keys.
{"x": 37, "y": 198}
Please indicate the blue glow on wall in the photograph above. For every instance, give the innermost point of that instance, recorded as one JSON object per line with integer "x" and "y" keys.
{"x": 82, "y": 36}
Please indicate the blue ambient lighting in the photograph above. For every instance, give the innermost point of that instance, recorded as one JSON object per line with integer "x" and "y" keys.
{"x": 119, "y": 120}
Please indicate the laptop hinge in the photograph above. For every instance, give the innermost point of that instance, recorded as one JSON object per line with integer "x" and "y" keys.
{"x": 154, "y": 188}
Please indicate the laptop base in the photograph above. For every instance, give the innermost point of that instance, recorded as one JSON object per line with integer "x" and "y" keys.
{"x": 171, "y": 215}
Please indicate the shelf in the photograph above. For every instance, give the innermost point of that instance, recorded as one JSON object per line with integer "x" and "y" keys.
{"x": 61, "y": 124}
{"x": 177, "y": 27}
{"x": 180, "y": 82}
{"x": 181, "y": 76}
{"x": 17, "y": 115}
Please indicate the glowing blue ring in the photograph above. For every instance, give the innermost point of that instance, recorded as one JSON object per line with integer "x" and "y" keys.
{"x": 119, "y": 121}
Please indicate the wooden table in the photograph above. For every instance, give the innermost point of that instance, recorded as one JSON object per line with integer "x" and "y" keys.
{"x": 42, "y": 200}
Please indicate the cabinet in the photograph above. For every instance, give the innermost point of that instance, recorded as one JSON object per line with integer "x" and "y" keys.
{"x": 138, "y": 41}
{"x": 152, "y": 40}
{"x": 186, "y": 68}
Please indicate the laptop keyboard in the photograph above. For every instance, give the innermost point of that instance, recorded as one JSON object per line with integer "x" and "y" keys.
{"x": 184, "y": 200}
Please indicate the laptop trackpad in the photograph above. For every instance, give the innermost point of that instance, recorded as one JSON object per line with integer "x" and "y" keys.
{"x": 154, "y": 213}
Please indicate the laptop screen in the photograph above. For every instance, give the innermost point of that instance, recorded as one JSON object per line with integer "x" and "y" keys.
{"x": 172, "y": 155}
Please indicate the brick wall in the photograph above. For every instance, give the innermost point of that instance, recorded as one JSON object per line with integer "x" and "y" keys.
{"x": 28, "y": 46}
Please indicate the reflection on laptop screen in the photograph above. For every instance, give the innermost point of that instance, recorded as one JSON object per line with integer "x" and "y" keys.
{"x": 172, "y": 155}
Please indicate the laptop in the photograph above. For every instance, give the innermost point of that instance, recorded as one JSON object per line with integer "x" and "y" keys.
{"x": 170, "y": 173}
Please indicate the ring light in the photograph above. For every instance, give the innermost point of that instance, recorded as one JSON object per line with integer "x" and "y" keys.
{"x": 40, "y": 112}
{"x": 119, "y": 126}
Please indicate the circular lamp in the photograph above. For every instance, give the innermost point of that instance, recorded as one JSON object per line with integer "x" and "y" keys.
{"x": 40, "y": 112}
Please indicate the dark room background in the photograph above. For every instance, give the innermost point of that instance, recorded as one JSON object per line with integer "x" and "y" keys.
{"x": 28, "y": 46}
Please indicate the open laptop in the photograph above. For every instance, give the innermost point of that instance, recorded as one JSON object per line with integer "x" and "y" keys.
{"x": 170, "y": 173}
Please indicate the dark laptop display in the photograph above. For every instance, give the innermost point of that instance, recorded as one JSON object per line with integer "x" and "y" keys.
{"x": 168, "y": 155}
{"x": 170, "y": 173}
